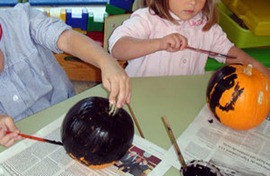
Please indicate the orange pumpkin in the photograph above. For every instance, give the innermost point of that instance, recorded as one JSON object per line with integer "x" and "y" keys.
{"x": 239, "y": 96}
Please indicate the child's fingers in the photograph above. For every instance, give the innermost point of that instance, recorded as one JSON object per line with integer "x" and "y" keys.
{"x": 128, "y": 90}
{"x": 11, "y": 125}
{"x": 114, "y": 92}
{"x": 7, "y": 139}
{"x": 124, "y": 92}
{"x": 7, "y": 124}
{"x": 183, "y": 42}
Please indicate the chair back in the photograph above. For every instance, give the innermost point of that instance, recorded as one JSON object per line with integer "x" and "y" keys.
{"x": 110, "y": 23}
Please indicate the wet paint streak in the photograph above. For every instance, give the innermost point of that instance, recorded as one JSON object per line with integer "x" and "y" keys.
{"x": 236, "y": 94}
{"x": 224, "y": 79}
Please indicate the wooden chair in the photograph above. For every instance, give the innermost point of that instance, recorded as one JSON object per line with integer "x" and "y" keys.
{"x": 110, "y": 24}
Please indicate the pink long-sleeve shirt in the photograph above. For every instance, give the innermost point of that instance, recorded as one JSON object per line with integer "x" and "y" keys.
{"x": 144, "y": 25}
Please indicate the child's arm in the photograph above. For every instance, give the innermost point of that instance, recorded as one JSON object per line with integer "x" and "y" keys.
{"x": 127, "y": 48}
{"x": 114, "y": 78}
{"x": 7, "y": 124}
{"x": 244, "y": 58}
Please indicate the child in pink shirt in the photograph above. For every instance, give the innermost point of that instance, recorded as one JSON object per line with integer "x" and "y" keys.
{"x": 154, "y": 39}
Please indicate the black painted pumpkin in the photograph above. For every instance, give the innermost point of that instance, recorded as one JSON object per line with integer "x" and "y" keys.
{"x": 239, "y": 96}
{"x": 94, "y": 137}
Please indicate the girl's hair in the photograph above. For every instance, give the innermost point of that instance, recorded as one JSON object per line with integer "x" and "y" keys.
{"x": 162, "y": 9}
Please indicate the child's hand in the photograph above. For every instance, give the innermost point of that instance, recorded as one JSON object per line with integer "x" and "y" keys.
{"x": 173, "y": 42}
{"x": 7, "y": 124}
{"x": 117, "y": 82}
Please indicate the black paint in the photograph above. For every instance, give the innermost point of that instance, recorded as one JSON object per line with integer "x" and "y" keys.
{"x": 222, "y": 80}
{"x": 89, "y": 132}
{"x": 200, "y": 168}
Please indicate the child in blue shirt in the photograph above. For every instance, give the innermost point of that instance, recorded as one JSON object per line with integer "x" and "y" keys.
{"x": 31, "y": 78}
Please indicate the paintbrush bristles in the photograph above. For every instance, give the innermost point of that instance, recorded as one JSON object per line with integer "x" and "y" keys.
{"x": 174, "y": 142}
{"x": 40, "y": 139}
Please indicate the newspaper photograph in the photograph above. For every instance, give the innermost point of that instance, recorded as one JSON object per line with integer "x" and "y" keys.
{"x": 234, "y": 152}
{"x": 32, "y": 158}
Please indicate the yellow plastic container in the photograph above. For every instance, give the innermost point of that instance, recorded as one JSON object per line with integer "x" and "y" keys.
{"x": 241, "y": 37}
{"x": 254, "y": 13}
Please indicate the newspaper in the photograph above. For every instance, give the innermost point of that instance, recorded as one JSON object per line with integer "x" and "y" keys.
{"x": 32, "y": 158}
{"x": 234, "y": 152}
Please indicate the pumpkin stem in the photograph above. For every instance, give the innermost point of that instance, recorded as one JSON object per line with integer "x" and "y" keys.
{"x": 248, "y": 70}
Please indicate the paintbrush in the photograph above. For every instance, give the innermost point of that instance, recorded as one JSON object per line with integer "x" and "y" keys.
{"x": 135, "y": 120}
{"x": 174, "y": 142}
{"x": 211, "y": 53}
{"x": 38, "y": 138}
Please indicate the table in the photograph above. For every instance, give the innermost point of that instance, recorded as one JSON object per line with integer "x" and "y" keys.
{"x": 180, "y": 98}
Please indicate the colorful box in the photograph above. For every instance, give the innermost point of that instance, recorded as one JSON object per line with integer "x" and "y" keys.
{"x": 123, "y": 4}
{"x": 113, "y": 10}
{"x": 57, "y": 13}
{"x": 95, "y": 24}
{"x": 77, "y": 18}
{"x": 254, "y": 14}
{"x": 241, "y": 37}
{"x": 96, "y": 36}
